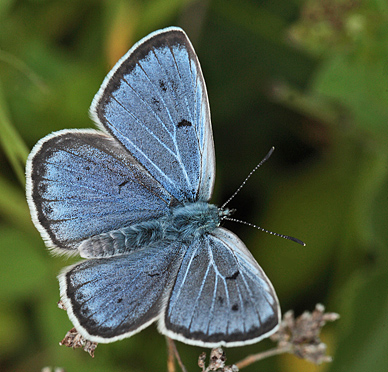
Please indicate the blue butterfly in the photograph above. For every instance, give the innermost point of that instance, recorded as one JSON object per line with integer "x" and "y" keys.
{"x": 133, "y": 199}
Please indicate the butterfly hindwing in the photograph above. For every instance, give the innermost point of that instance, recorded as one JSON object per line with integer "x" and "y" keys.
{"x": 83, "y": 183}
{"x": 221, "y": 295}
{"x": 108, "y": 299}
{"x": 154, "y": 102}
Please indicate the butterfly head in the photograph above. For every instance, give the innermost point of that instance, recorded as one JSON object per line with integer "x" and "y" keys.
{"x": 223, "y": 213}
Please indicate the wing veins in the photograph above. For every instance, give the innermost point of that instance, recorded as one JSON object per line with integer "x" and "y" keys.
{"x": 124, "y": 176}
{"x": 99, "y": 165}
{"x": 266, "y": 299}
{"x": 106, "y": 289}
{"x": 242, "y": 276}
{"x": 87, "y": 217}
{"x": 142, "y": 153}
{"x": 197, "y": 119}
{"x": 241, "y": 302}
{"x": 185, "y": 276}
{"x": 173, "y": 137}
{"x": 144, "y": 126}
{"x": 179, "y": 158}
{"x": 161, "y": 98}
{"x": 199, "y": 294}
{"x": 250, "y": 295}
{"x": 223, "y": 280}
{"x": 213, "y": 302}
{"x": 193, "y": 119}
{"x": 180, "y": 80}
{"x": 64, "y": 183}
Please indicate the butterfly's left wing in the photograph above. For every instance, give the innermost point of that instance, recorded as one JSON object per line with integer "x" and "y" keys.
{"x": 109, "y": 299}
{"x": 221, "y": 295}
{"x": 84, "y": 183}
{"x": 154, "y": 102}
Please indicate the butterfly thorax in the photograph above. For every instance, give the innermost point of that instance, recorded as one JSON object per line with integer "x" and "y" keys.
{"x": 191, "y": 221}
{"x": 182, "y": 223}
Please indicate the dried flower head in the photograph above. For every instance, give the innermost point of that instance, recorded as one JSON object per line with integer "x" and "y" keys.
{"x": 216, "y": 362}
{"x": 301, "y": 335}
{"x": 75, "y": 340}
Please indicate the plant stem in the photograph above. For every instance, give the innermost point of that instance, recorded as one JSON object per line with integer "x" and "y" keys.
{"x": 173, "y": 353}
{"x": 265, "y": 354}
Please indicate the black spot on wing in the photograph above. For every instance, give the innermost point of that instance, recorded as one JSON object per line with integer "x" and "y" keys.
{"x": 122, "y": 184}
{"x": 234, "y": 276}
{"x": 162, "y": 85}
{"x": 41, "y": 189}
{"x": 184, "y": 123}
{"x": 156, "y": 103}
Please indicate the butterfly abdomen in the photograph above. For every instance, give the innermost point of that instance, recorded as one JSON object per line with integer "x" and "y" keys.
{"x": 123, "y": 240}
{"x": 183, "y": 223}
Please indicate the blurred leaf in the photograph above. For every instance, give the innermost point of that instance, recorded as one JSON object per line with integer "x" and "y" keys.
{"x": 123, "y": 19}
{"x": 5, "y": 5}
{"x": 11, "y": 142}
{"x": 307, "y": 208}
{"x": 13, "y": 206}
{"x": 364, "y": 345}
{"x": 316, "y": 107}
{"x": 156, "y": 13}
{"x": 12, "y": 329}
{"x": 24, "y": 270}
{"x": 359, "y": 84}
{"x": 256, "y": 19}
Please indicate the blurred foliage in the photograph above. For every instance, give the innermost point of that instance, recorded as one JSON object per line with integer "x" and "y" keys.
{"x": 309, "y": 77}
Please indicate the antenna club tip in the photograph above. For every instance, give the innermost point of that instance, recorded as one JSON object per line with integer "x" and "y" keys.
{"x": 296, "y": 240}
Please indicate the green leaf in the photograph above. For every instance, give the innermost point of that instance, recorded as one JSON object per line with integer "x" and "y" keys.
{"x": 13, "y": 145}
{"x": 363, "y": 346}
{"x": 360, "y": 85}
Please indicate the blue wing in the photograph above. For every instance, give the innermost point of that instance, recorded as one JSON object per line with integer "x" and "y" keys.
{"x": 109, "y": 299}
{"x": 221, "y": 296}
{"x": 154, "y": 102}
{"x": 83, "y": 183}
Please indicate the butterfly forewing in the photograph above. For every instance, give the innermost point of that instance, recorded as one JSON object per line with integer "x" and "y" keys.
{"x": 154, "y": 102}
{"x": 83, "y": 183}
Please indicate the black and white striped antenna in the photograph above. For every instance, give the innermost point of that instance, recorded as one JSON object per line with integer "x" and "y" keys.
{"x": 225, "y": 217}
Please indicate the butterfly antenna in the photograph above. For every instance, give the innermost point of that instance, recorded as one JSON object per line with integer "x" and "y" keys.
{"x": 249, "y": 176}
{"x": 266, "y": 231}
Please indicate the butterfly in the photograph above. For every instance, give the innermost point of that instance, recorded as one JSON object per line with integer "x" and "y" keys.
{"x": 132, "y": 198}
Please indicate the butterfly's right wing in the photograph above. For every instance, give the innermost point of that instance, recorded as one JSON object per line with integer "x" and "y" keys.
{"x": 154, "y": 102}
{"x": 84, "y": 183}
{"x": 221, "y": 295}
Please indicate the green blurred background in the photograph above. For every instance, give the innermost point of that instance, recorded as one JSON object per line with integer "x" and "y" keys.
{"x": 308, "y": 77}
